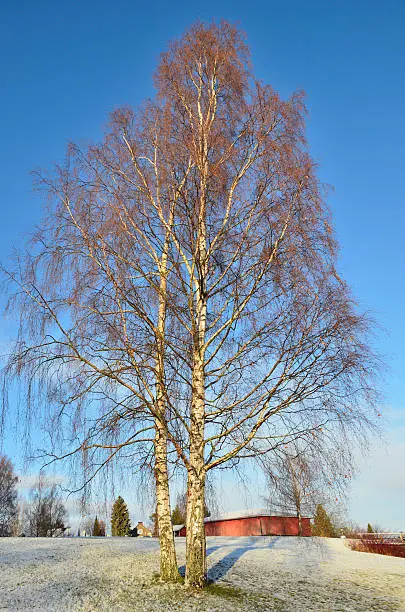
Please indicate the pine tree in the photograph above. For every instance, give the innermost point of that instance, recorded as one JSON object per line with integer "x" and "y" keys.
{"x": 178, "y": 517}
{"x": 120, "y": 524}
{"x": 369, "y": 528}
{"x": 322, "y": 524}
{"x": 96, "y": 528}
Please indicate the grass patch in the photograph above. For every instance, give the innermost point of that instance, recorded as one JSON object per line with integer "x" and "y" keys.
{"x": 224, "y": 591}
{"x": 156, "y": 579}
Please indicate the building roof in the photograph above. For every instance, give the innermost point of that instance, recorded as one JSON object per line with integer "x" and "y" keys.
{"x": 256, "y": 512}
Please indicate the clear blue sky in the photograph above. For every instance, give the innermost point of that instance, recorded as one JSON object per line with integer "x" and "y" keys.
{"x": 66, "y": 65}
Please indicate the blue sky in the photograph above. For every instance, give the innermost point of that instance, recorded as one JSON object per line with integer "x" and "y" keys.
{"x": 65, "y": 66}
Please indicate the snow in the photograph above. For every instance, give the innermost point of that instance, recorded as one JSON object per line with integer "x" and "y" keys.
{"x": 248, "y": 514}
{"x": 257, "y": 573}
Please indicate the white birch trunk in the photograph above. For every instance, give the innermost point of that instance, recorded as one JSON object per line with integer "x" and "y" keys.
{"x": 195, "y": 546}
{"x": 168, "y": 562}
{"x": 195, "y": 529}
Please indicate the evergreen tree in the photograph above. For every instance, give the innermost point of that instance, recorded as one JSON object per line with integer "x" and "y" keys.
{"x": 322, "y": 524}
{"x": 178, "y": 516}
{"x": 96, "y": 528}
{"x": 369, "y": 528}
{"x": 120, "y": 525}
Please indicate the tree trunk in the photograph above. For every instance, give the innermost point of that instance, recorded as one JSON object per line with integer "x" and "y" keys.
{"x": 299, "y": 515}
{"x": 168, "y": 562}
{"x": 196, "y": 569}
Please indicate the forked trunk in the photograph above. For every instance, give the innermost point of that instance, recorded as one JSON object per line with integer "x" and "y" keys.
{"x": 168, "y": 562}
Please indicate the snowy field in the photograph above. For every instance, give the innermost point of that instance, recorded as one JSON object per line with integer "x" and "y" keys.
{"x": 267, "y": 573}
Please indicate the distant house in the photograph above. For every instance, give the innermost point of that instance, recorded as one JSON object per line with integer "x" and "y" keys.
{"x": 143, "y": 531}
{"x": 251, "y": 523}
{"x": 177, "y": 529}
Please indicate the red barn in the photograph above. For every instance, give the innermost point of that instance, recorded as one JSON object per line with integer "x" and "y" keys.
{"x": 253, "y": 523}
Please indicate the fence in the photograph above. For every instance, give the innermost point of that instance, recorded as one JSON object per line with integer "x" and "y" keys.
{"x": 389, "y": 538}
{"x": 392, "y": 544}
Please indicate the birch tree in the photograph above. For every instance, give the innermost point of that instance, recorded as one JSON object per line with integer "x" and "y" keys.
{"x": 180, "y": 302}
{"x": 8, "y": 497}
{"x": 92, "y": 303}
{"x": 302, "y": 475}
{"x": 273, "y": 349}
{"x": 45, "y": 515}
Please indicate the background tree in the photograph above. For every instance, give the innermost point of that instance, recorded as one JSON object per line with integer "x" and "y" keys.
{"x": 370, "y": 528}
{"x": 322, "y": 525}
{"x": 8, "y": 497}
{"x": 87, "y": 526}
{"x": 178, "y": 518}
{"x": 18, "y": 522}
{"x": 300, "y": 476}
{"x": 292, "y": 490}
{"x": 45, "y": 515}
{"x": 96, "y": 528}
{"x": 180, "y": 510}
{"x": 120, "y": 524}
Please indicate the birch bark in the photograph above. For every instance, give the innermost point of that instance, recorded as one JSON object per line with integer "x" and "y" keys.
{"x": 168, "y": 561}
{"x": 196, "y": 548}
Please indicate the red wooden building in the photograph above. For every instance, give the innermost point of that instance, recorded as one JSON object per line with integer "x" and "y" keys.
{"x": 254, "y": 523}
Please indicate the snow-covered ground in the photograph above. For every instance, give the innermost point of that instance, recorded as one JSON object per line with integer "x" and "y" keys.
{"x": 267, "y": 573}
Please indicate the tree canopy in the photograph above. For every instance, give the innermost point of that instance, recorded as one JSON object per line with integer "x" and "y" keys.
{"x": 8, "y": 496}
{"x": 45, "y": 515}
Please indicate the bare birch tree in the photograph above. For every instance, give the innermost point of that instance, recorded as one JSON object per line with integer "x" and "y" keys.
{"x": 8, "y": 497}
{"x": 274, "y": 349}
{"x": 302, "y": 475}
{"x": 181, "y": 299}
{"x": 45, "y": 515}
{"x": 92, "y": 305}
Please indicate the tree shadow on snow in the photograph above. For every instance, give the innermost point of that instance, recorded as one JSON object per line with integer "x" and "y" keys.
{"x": 223, "y": 565}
